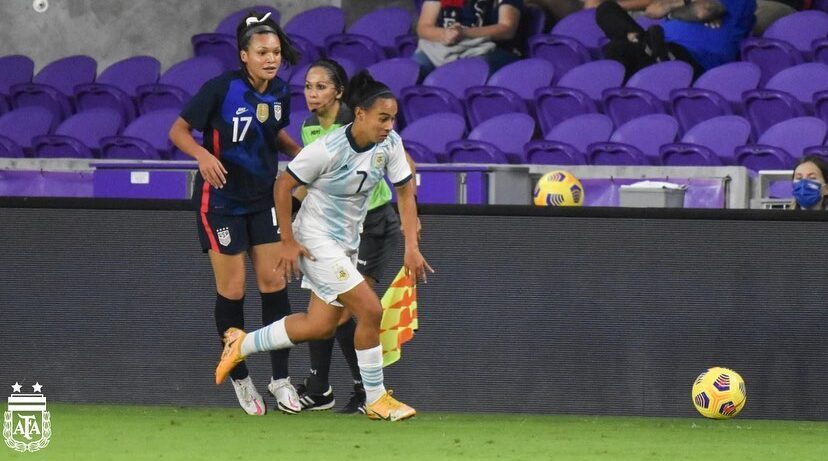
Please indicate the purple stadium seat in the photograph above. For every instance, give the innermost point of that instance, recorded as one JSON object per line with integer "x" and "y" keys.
{"x": 567, "y": 142}
{"x": 581, "y": 131}
{"x": 787, "y": 94}
{"x": 146, "y": 138}
{"x": 581, "y": 26}
{"x": 396, "y": 73}
{"x": 781, "y": 144}
{"x": 556, "y": 104}
{"x": 16, "y": 69}
{"x": 716, "y": 92}
{"x": 21, "y": 125}
{"x": 434, "y": 132}
{"x": 78, "y": 136}
{"x": 115, "y": 87}
{"x": 821, "y": 105}
{"x": 406, "y": 45}
{"x": 542, "y": 152}
{"x": 563, "y": 52}
{"x": 800, "y": 30}
{"x": 819, "y": 49}
{"x": 711, "y": 142}
{"x": 443, "y": 89}
{"x": 524, "y": 77}
{"x": 683, "y": 154}
{"x": 178, "y": 84}
{"x": 594, "y": 77}
{"x": 693, "y": 105}
{"x": 635, "y": 142}
{"x": 420, "y": 153}
{"x": 458, "y": 76}
{"x": 662, "y": 78}
{"x": 802, "y": 82}
{"x": 54, "y": 86}
{"x": 298, "y": 77}
{"x": 510, "y": 89}
{"x": 383, "y": 25}
{"x": 420, "y": 101}
{"x": 219, "y": 46}
{"x": 130, "y": 73}
{"x": 507, "y": 133}
{"x": 10, "y": 149}
{"x": 316, "y": 24}
{"x": 770, "y": 55}
{"x": 765, "y": 108}
{"x": 230, "y": 22}
{"x": 625, "y": 104}
{"x": 647, "y": 91}
{"x": 359, "y": 49}
{"x": 485, "y": 102}
{"x": 613, "y": 153}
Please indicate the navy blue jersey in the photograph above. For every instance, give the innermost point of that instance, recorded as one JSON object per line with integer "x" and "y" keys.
{"x": 240, "y": 127}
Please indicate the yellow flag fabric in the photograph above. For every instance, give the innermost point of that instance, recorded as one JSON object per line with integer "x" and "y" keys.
{"x": 399, "y": 317}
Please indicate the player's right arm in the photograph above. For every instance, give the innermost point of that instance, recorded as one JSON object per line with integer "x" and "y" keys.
{"x": 288, "y": 260}
{"x": 196, "y": 115}
{"x": 209, "y": 166}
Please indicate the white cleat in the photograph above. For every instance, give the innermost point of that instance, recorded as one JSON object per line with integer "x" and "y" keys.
{"x": 287, "y": 399}
{"x": 249, "y": 398}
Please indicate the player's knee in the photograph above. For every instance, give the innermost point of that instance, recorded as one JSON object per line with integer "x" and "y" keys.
{"x": 271, "y": 284}
{"x": 371, "y": 315}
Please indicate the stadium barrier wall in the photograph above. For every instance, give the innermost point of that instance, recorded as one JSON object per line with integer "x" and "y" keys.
{"x": 580, "y": 311}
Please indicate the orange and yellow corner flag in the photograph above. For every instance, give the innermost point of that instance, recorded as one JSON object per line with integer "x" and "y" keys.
{"x": 399, "y": 317}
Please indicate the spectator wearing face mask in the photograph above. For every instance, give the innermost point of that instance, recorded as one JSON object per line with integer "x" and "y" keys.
{"x": 809, "y": 188}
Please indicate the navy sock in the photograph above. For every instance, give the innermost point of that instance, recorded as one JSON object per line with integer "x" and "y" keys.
{"x": 345, "y": 338}
{"x": 276, "y": 306}
{"x": 230, "y": 313}
{"x": 320, "y": 363}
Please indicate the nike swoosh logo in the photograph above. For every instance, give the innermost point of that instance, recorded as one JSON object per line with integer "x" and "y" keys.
{"x": 241, "y": 110}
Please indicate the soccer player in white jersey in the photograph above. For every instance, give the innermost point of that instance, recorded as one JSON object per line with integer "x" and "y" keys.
{"x": 340, "y": 170}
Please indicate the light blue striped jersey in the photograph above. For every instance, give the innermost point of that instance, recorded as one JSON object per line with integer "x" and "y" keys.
{"x": 340, "y": 180}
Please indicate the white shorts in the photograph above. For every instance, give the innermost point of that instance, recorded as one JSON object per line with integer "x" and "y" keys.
{"x": 334, "y": 272}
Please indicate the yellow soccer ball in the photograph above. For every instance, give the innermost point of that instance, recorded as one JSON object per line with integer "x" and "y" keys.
{"x": 719, "y": 393}
{"x": 559, "y": 188}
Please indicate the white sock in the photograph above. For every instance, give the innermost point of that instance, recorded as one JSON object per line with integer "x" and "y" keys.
{"x": 370, "y": 368}
{"x": 270, "y": 338}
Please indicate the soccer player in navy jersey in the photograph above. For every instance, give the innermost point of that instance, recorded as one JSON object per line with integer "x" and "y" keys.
{"x": 242, "y": 114}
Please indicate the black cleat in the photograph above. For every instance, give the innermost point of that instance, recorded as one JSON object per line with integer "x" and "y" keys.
{"x": 356, "y": 404}
{"x": 315, "y": 402}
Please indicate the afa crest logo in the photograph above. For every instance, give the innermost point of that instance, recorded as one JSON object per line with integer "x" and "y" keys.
{"x": 26, "y": 424}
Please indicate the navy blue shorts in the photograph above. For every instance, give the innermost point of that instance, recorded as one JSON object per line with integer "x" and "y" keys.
{"x": 230, "y": 235}
{"x": 380, "y": 236}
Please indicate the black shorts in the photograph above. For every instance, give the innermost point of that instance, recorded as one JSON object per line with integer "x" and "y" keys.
{"x": 380, "y": 236}
{"x": 230, "y": 235}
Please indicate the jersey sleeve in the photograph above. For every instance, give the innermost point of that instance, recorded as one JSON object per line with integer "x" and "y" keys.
{"x": 309, "y": 163}
{"x": 398, "y": 170}
{"x": 197, "y": 112}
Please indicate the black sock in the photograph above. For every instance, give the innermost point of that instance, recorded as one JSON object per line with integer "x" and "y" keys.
{"x": 320, "y": 364}
{"x": 345, "y": 338}
{"x": 276, "y": 306}
{"x": 230, "y": 313}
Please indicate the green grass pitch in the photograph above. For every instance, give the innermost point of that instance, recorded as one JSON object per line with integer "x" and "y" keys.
{"x": 98, "y": 432}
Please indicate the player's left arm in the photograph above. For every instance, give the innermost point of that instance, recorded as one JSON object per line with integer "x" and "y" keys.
{"x": 287, "y": 144}
{"x": 413, "y": 167}
{"x": 415, "y": 263}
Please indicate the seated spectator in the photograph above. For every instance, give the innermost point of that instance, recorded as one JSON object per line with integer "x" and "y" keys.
{"x": 809, "y": 188}
{"x": 703, "y": 33}
{"x": 454, "y": 29}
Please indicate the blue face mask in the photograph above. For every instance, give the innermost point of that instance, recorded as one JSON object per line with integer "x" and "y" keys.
{"x": 807, "y": 192}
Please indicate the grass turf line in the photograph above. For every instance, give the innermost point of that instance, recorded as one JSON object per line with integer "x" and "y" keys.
{"x": 99, "y": 432}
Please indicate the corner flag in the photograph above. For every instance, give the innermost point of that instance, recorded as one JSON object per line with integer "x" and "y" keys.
{"x": 399, "y": 317}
